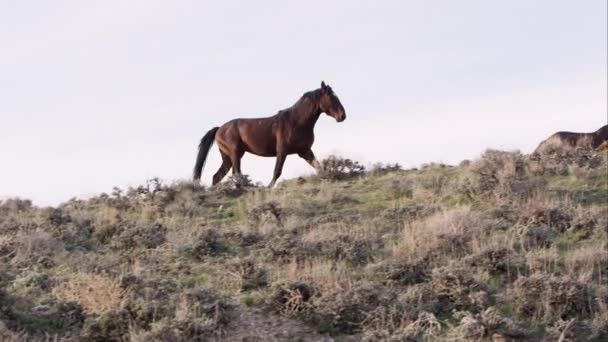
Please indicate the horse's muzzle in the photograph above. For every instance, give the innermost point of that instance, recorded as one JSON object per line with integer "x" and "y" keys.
{"x": 341, "y": 117}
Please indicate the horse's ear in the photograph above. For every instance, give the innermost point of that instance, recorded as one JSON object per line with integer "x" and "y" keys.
{"x": 323, "y": 85}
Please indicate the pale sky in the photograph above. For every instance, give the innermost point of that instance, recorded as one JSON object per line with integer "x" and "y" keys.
{"x": 96, "y": 94}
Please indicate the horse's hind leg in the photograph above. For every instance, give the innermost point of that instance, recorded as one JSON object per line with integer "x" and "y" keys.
{"x": 235, "y": 157}
{"x": 223, "y": 170}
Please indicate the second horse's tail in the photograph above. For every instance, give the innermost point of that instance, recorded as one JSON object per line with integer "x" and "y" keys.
{"x": 203, "y": 151}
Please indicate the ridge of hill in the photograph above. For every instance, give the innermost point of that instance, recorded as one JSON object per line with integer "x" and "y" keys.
{"x": 508, "y": 246}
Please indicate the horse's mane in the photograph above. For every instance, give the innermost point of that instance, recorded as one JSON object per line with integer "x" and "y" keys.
{"x": 312, "y": 95}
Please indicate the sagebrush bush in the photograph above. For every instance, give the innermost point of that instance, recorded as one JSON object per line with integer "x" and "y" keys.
{"x": 142, "y": 236}
{"x": 548, "y": 298}
{"x": 337, "y": 168}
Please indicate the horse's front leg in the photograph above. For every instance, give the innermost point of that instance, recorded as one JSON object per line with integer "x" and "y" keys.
{"x": 278, "y": 168}
{"x": 309, "y": 156}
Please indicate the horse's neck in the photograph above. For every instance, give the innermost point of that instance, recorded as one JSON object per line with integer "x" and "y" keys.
{"x": 305, "y": 113}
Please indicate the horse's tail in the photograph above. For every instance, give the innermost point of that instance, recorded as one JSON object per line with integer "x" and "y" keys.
{"x": 203, "y": 150}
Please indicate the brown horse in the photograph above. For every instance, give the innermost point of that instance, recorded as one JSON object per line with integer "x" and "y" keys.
{"x": 575, "y": 140}
{"x": 290, "y": 131}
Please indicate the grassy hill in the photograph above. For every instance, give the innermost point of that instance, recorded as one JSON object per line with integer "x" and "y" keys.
{"x": 508, "y": 246}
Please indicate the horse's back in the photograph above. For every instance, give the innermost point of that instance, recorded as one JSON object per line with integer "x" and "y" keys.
{"x": 569, "y": 140}
{"x": 253, "y": 135}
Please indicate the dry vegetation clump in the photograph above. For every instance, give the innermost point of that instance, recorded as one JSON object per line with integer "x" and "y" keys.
{"x": 505, "y": 247}
{"x": 345, "y": 311}
{"x": 109, "y": 326}
{"x": 395, "y": 326}
{"x": 143, "y": 236}
{"x": 268, "y": 212}
{"x": 35, "y": 247}
{"x": 7, "y": 248}
{"x": 235, "y": 185}
{"x": 588, "y": 264}
{"x": 497, "y": 259}
{"x": 487, "y": 324}
{"x": 354, "y": 251}
{"x": 204, "y": 304}
{"x": 444, "y": 235}
{"x": 290, "y": 299}
{"x": 95, "y": 293}
{"x": 338, "y": 168}
{"x": 599, "y": 323}
{"x": 560, "y": 159}
{"x": 283, "y": 244}
{"x": 209, "y": 244}
{"x": 402, "y": 272}
{"x": 548, "y": 298}
{"x": 501, "y": 175}
{"x": 379, "y": 169}
{"x": 253, "y": 276}
{"x": 456, "y": 289}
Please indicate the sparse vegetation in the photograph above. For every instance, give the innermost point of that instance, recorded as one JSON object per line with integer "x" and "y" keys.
{"x": 508, "y": 246}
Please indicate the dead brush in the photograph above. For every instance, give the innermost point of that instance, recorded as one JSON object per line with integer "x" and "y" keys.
{"x": 541, "y": 220}
{"x": 252, "y": 275}
{"x": 544, "y": 260}
{"x": 7, "y": 247}
{"x": 496, "y": 259}
{"x": 557, "y": 214}
{"x": 487, "y": 324}
{"x": 396, "y": 323}
{"x": 294, "y": 303}
{"x": 235, "y": 185}
{"x": 96, "y": 293}
{"x": 205, "y": 305}
{"x": 388, "y": 319}
{"x": 588, "y": 263}
{"x": 7, "y": 335}
{"x": 426, "y": 326}
{"x": 455, "y": 288}
{"x": 266, "y": 213}
{"x": 35, "y": 248}
{"x": 562, "y": 330}
{"x": 401, "y": 272}
{"x": 558, "y": 158}
{"x": 589, "y": 220}
{"x": 599, "y": 323}
{"x": 501, "y": 177}
{"x": 546, "y": 298}
{"x": 344, "y": 311}
{"x": 292, "y": 299}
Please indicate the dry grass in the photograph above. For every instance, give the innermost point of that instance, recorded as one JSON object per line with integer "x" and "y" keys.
{"x": 96, "y": 293}
{"x": 443, "y": 235}
{"x": 327, "y": 275}
{"x": 545, "y": 260}
{"x": 588, "y": 263}
{"x": 36, "y": 245}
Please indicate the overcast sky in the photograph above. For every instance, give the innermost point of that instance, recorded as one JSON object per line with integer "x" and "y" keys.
{"x": 96, "y": 94}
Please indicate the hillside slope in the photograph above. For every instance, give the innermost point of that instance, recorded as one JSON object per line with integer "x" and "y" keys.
{"x": 508, "y": 246}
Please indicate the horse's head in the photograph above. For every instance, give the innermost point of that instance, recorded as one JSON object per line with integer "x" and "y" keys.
{"x": 330, "y": 104}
